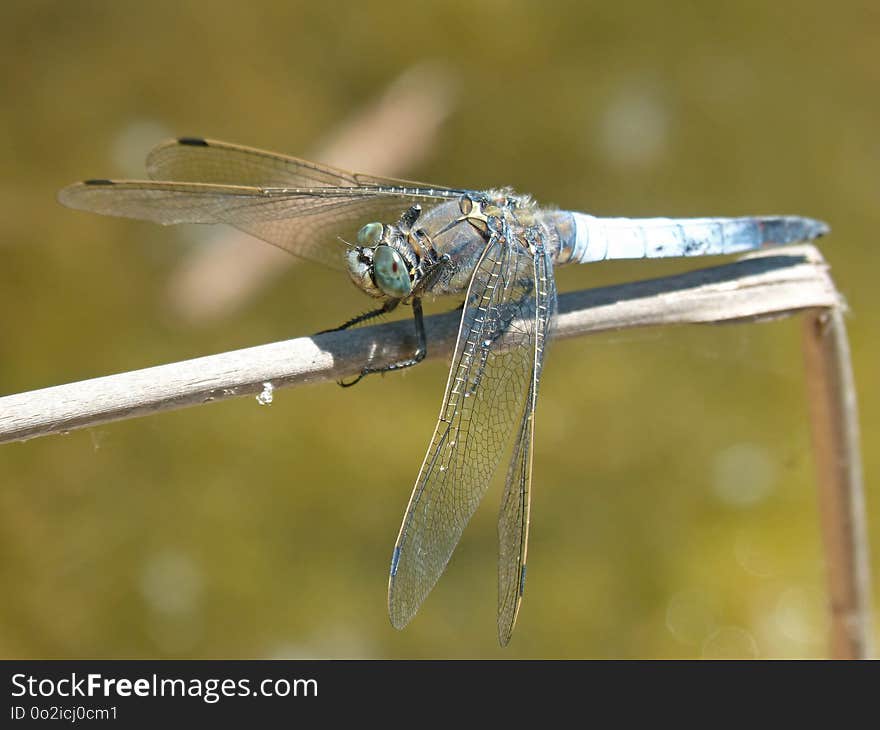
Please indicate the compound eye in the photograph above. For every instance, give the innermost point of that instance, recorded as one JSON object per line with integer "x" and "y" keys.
{"x": 370, "y": 234}
{"x": 389, "y": 271}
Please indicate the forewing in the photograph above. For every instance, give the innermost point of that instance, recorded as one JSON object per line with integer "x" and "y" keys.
{"x": 307, "y": 222}
{"x": 488, "y": 381}
{"x": 193, "y": 159}
{"x": 175, "y": 202}
{"x": 513, "y": 518}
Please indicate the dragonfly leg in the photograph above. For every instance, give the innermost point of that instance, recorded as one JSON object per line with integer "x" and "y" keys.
{"x": 433, "y": 274}
{"x": 389, "y": 306}
{"x": 417, "y": 357}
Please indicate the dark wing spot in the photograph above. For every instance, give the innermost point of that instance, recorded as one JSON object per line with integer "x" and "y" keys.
{"x": 97, "y": 181}
{"x": 394, "y": 267}
{"x": 192, "y": 141}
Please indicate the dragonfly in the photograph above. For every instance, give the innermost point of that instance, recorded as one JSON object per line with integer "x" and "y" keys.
{"x": 401, "y": 242}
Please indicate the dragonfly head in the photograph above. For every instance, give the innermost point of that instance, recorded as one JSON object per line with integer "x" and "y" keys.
{"x": 377, "y": 264}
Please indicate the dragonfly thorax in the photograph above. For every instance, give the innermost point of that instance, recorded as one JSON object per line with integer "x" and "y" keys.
{"x": 431, "y": 253}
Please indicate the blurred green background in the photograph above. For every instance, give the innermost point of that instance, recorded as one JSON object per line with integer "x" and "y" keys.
{"x": 674, "y": 510}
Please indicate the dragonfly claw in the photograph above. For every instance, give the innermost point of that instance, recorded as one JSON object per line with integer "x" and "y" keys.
{"x": 343, "y": 384}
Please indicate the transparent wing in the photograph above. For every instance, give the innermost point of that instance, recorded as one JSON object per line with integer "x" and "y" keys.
{"x": 488, "y": 381}
{"x": 513, "y": 518}
{"x": 306, "y": 222}
{"x": 193, "y": 159}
